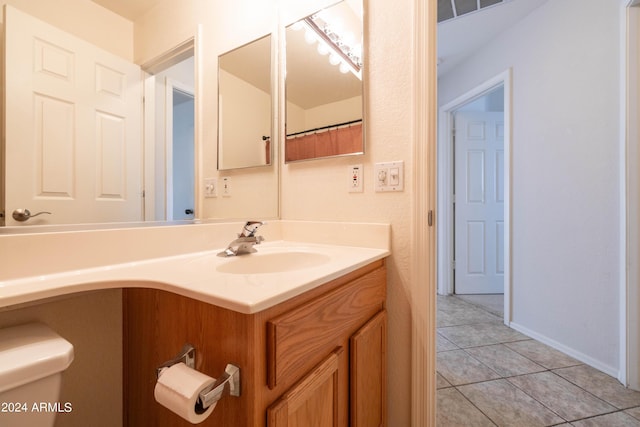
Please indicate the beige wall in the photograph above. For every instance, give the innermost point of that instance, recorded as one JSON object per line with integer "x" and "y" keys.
{"x": 345, "y": 110}
{"x": 247, "y": 117}
{"x": 317, "y": 190}
{"x": 224, "y": 26}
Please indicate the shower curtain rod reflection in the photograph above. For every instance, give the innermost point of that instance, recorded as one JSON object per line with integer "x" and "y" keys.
{"x": 325, "y": 127}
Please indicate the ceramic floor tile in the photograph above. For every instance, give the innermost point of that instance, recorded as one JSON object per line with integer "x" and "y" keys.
{"x": 456, "y": 312}
{"x": 458, "y": 367}
{"x": 493, "y": 303}
{"x": 504, "y": 361}
{"x": 506, "y": 405}
{"x": 542, "y": 354}
{"x": 475, "y": 350}
{"x": 565, "y": 399}
{"x": 634, "y": 412}
{"x": 441, "y": 381}
{"x": 443, "y": 344}
{"x": 454, "y": 410}
{"x": 478, "y": 334}
{"x": 450, "y": 300}
{"x": 601, "y": 385}
{"x": 617, "y": 419}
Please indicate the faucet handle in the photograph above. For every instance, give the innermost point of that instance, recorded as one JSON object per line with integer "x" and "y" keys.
{"x": 250, "y": 228}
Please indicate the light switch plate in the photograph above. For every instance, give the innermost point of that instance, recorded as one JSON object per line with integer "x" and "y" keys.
{"x": 226, "y": 187}
{"x": 211, "y": 187}
{"x": 389, "y": 176}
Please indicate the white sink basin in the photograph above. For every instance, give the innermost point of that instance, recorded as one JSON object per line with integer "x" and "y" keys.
{"x": 274, "y": 262}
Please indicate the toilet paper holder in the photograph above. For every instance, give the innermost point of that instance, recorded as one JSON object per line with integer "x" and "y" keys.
{"x": 212, "y": 394}
{"x": 231, "y": 376}
{"x": 187, "y": 356}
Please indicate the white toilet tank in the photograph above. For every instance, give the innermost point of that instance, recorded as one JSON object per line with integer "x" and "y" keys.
{"x": 32, "y": 358}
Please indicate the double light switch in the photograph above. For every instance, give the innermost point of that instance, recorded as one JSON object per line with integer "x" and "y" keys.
{"x": 389, "y": 176}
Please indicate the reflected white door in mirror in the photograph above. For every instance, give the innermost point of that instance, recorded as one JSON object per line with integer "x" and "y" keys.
{"x": 73, "y": 128}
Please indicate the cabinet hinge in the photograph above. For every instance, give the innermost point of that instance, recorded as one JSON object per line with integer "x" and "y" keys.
{"x": 430, "y": 218}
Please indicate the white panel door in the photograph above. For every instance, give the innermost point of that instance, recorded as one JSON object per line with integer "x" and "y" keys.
{"x": 73, "y": 127}
{"x": 479, "y": 203}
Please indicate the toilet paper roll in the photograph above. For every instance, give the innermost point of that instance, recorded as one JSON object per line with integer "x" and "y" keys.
{"x": 178, "y": 388}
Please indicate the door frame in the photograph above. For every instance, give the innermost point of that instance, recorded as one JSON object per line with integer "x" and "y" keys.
{"x": 172, "y": 85}
{"x": 445, "y": 226}
{"x": 191, "y": 46}
{"x": 629, "y": 371}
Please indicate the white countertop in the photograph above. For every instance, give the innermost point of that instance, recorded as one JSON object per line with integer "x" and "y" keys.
{"x": 196, "y": 275}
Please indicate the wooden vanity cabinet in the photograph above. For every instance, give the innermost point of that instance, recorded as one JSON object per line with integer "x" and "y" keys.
{"x": 314, "y": 401}
{"x": 318, "y": 359}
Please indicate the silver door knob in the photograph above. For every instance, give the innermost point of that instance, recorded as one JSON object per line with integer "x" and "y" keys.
{"x": 24, "y": 214}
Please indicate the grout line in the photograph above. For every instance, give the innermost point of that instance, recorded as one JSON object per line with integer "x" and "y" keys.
{"x": 545, "y": 369}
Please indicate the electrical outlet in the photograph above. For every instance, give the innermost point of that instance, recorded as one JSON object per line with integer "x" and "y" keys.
{"x": 355, "y": 179}
{"x": 211, "y": 187}
{"x": 226, "y": 186}
{"x": 389, "y": 176}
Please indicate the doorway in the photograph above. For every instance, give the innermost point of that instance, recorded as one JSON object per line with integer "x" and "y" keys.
{"x": 473, "y": 192}
{"x": 180, "y": 151}
{"x": 170, "y": 166}
{"x": 478, "y": 195}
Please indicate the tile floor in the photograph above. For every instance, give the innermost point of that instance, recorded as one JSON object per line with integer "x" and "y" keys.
{"x": 489, "y": 374}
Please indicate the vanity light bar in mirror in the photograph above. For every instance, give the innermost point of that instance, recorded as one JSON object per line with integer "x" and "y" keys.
{"x": 339, "y": 44}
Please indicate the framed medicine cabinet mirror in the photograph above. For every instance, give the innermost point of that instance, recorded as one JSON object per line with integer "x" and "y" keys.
{"x": 323, "y": 84}
{"x": 245, "y": 106}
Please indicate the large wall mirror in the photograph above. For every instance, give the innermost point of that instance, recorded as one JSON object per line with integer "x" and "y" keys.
{"x": 324, "y": 89}
{"x": 74, "y": 148}
{"x": 244, "y": 106}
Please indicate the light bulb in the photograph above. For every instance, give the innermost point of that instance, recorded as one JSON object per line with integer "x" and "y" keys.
{"x": 344, "y": 69}
{"x": 334, "y": 59}
{"x": 323, "y": 49}
{"x": 309, "y": 37}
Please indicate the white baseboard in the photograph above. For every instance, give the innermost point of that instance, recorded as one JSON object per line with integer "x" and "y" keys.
{"x": 603, "y": 367}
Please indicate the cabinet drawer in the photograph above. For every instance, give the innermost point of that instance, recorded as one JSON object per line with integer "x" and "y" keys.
{"x": 298, "y": 339}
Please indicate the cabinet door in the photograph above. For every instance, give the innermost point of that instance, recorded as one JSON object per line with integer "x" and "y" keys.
{"x": 311, "y": 402}
{"x": 368, "y": 373}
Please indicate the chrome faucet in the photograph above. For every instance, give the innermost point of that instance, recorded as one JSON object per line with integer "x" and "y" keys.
{"x": 245, "y": 242}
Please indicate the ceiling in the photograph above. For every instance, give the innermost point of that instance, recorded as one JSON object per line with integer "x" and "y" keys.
{"x": 458, "y": 38}
{"x": 129, "y": 9}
